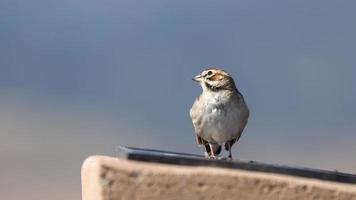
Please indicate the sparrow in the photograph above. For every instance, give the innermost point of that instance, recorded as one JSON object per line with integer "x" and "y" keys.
{"x": 219, "y": 114}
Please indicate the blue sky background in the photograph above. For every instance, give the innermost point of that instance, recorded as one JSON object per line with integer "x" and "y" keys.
{"x": 79, "y": 77}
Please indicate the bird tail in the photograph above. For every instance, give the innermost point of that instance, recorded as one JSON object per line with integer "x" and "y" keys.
{"x": 218, "y": 150}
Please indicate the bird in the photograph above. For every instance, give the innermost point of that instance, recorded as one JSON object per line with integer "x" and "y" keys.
{"x": 219, "y": 114}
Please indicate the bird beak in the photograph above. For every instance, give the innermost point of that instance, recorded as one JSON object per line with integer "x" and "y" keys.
{"x": 197, "y": 78}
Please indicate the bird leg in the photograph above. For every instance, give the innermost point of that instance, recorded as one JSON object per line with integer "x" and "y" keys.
{"x": 207, "y": 149}
{"x": 212, "y": 153}
{"x": 229, "y": 145}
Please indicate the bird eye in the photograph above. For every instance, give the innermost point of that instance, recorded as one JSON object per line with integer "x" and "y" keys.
{"x": 210, "y": 73}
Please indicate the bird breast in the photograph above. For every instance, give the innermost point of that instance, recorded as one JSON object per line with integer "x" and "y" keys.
{"x": 221, "y": 117}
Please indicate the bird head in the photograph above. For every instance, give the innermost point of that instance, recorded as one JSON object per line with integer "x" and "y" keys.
{"x": 214, "y": 79}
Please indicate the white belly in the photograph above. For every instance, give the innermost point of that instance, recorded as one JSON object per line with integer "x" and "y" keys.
{"x": 221, "y": 122}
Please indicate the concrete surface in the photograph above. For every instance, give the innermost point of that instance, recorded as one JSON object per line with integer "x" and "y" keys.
{"x": 106, "y": 178}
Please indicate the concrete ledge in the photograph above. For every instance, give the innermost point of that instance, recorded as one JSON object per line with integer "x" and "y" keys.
{"x": 106, "y": 178}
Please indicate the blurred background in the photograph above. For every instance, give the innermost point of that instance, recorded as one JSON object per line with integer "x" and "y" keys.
{"x": 78, "y": 78}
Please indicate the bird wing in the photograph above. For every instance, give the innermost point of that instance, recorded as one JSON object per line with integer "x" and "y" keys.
{"x": 245, "y": 113}
{"x": 195, "y": 114}
{"x": 199, "y": 140}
